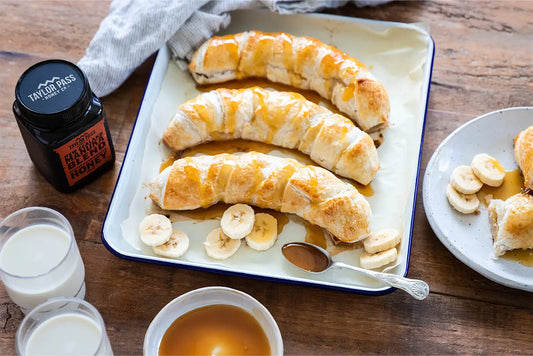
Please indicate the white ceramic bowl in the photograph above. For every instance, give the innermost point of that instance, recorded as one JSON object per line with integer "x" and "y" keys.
{"x": 209, "y": 296}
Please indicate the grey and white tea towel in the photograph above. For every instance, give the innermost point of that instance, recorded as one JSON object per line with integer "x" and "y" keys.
{"x": 134, "y": 29}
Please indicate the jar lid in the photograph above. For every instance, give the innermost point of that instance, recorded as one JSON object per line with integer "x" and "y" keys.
{"x": 52, "y": 93}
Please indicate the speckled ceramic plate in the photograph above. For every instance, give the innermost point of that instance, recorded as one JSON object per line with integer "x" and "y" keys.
{"x": 468, "y": 237}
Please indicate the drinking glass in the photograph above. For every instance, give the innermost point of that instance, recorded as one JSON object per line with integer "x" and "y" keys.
{"x": 39, "y": 257}
{"x": 63, "y": 326}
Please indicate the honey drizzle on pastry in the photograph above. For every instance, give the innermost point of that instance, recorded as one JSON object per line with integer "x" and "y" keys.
{"x": 281, "y": 118}
{"x": 234, "y": 146}
{"x": 312, "y": 193}
{"x": 301, "y": 62}
{"x": 265, "y": 84}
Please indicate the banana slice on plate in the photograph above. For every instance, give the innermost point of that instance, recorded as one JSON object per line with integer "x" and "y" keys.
{"x": 155, "y": 229}
{"x": 375, "y": 260}
{"x": 488, "y": 169}
{"x": 264, "y": 233}
{"x": 238, "y": 221}
{"x": 175, "y": 247}
{"x": 465, "y": 181}
{"x": 464, "y": 203}
{"x": 381, "y": 240}
{"x": 220, "y": 246}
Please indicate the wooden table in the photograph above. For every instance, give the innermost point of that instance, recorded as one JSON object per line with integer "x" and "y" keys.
{"x": 483, "y": 62}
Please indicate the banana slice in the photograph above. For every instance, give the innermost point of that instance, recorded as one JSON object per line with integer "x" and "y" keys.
{"x": 465, "y": 181}
{"x": 375, "y": 260}
{"x": 488, "y": 169}
{"x": 175, "y": 247}
{"x": 264, "y": 233}
{"x": 238, "y": 221}
{"x": 464, "y": 203}
{"x": 220, "y": 246}
{"x": 155, "y": 229}
{"x": 381, "y": 240}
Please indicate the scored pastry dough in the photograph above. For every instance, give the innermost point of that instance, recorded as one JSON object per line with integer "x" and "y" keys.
{"x": 523, "y": 152}
{"x": 511, "y": 223}
{"x": 301, "y": 62}
{"x": 281, "y": 184}
{"x": 279, "y": 118}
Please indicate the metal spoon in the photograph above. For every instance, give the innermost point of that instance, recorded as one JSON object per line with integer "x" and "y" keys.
{"x": 314, "y": 259}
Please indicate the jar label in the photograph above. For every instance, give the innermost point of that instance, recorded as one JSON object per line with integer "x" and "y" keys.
{"x": 85, "y": 153}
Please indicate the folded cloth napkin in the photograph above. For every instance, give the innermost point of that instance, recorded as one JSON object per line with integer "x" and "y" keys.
{"x": 134, "y": 29}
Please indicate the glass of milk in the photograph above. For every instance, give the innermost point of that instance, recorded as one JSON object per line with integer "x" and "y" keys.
{"x": 39, "y": 257}
{"x": 63, "y": 326}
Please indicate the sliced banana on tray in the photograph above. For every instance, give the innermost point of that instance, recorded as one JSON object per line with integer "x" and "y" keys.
{"x": 375, "y": 260}
{"x": 174, "y": 247}
{"x": 488, "y": 169}
{"x": 155, "y": 229}
{"x": 264, "y": 232}
{"x": 381, "y": 240}
{"x": 464, "y": 203}
{"x": 238, "y": 221}
{"x": 220, "y": 246}
{"x": 465, "y": 181}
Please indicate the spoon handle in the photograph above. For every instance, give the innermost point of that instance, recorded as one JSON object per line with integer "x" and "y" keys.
{"x": 415, "y": 287}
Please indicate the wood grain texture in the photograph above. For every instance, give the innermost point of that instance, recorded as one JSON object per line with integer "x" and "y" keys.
{"x": 483, "y": 62}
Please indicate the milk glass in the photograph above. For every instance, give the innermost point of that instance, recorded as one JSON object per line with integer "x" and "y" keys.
{"x": 39, "y": 257}
{"x": 63, "y": 326}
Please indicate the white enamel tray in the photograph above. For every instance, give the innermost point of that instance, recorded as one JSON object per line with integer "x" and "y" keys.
{"x": 468, "y": 237}
{"x": 401, "y": 57}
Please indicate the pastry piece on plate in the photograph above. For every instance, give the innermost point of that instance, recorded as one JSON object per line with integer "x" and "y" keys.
{"x": 302, "y": 62}
{"x": 523, "y": 152}
{"x": 511, "y": 223}
{"x": 279, "y": 118}
{"x": 281, "y": 184}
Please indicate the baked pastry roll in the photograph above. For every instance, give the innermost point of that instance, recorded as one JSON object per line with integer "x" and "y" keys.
{"x": 511, "y": 223}
{"x": 523, "y": 152}
{"x": 278, "y": 118}
{"x": 282, "y": 184}
{"x": 302, "y": 62}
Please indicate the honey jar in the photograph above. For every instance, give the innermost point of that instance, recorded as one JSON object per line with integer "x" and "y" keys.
{"x": 63, "y": 124}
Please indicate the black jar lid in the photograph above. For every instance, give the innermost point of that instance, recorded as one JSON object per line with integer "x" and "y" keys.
{"x": 52, "y": 94}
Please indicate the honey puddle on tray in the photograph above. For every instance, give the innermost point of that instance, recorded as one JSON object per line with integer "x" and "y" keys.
{"x": 313, "y": 234}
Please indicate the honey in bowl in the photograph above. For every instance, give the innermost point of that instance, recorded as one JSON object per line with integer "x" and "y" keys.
{"x": 218, "y": 329}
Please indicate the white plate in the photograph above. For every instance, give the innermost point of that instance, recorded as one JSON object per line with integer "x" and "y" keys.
{"x": 400, "y": 55}
{"x": 468, "y": 237}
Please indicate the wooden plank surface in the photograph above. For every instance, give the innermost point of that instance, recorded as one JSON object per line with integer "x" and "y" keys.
{"x": 483, "y": 62}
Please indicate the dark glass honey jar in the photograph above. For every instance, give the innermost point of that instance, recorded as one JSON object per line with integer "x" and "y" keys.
{"x": 63, "y": 124}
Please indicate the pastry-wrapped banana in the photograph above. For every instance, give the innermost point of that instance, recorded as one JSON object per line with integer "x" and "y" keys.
{"x": 282, "y": 184}
{"x": 511, "y": 223}
{"x": 301, "y": 62}
{"x": 523, "y": 152}
{"x": 278, "y": 118}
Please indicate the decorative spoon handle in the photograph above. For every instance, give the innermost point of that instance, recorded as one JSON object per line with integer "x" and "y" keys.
{"x": 415, "y": 287}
